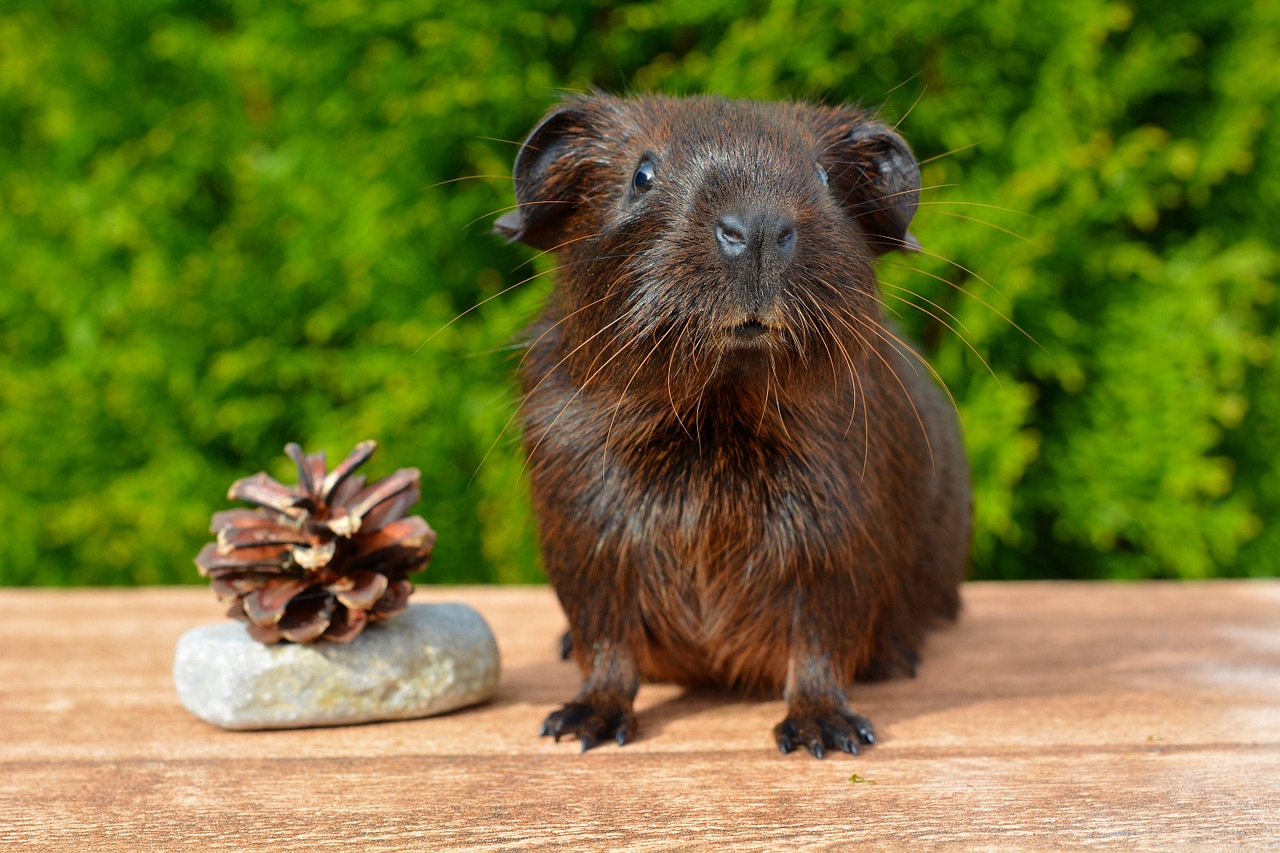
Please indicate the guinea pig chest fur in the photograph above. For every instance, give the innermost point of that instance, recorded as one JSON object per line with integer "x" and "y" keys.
{"x": 741, "y": 478}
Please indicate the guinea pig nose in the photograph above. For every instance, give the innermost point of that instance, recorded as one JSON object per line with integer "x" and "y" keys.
{"x": 757, "y": 234}
{"x": 731, "y": 234}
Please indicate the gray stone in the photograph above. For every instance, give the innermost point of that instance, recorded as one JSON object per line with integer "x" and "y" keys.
{"x": 427, "y": 660}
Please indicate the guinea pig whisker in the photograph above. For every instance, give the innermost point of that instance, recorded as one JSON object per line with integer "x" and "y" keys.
{"x": 969, "y": 293}
{"x": 516, "y": 143}
{"x": 854, "y": 377}
{"x": 553, "y": 369}
{"x": 797, "y": 343}
{"x": 860, "y": 389}
{"x": 793, "y": 325}
{"x": 579, "y": 347}
{"x": 506, "y": 426}
{"x": 509, "y": 207}
{"x": 885, "y": 197}
{"x": 885, "y": 96}
{"x": 604, "y": 459}
{"x": 923, "y": 298}
{"x": 702, "y": 392}
{"x": 928, "y": 160}
{"x": 892, "y": 341}
{"x": 566, "y": 318}
{"x": 950, "y": 327}
{"x": 860, "y": 394}
{"x": 764, "y": 401}
{"x": 593, "y": 259}
{"x": 558, "y": 246}
{"x": 914, "y": 104}
{"x": 959, "y": 203}
{"x": 777, "y": 397}
{"x": 569, "y": 404}
{"x": 965, "y": 269}
{"x": 910, "y": 356}
{"x": 430, "y": 187}
{"x": 504, "y": 291}
{"x": 993, "y": 225}
{"x": 817, "y": 332}
{"x": 908, "y": 192}
{"x": 484, "y": 301}
{"x": 675, "y": 348}
{"x": 576, "y": 349}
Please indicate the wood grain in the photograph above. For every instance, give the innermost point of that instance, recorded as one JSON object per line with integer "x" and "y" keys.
{"x": 1139, "y": 716}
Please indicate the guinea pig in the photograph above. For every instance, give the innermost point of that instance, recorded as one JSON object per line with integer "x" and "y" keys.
{"x": 741, "y": 473}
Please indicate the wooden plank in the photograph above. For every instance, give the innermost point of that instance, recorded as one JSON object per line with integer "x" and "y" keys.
{"x": 1054, "y": 715}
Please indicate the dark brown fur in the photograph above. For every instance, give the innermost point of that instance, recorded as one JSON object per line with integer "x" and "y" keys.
{"x": 742, "y": 477}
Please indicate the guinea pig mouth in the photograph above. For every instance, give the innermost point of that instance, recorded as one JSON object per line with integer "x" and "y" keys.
{"x": 750, "y": 330}
{"x": 750, "y": 336}
{"x": 753, "y": 330}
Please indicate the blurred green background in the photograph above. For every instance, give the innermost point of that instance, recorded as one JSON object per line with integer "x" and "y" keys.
{"x": 229, "y": 225}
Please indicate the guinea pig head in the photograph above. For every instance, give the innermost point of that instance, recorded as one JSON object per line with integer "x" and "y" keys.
{"x": 702, "y": 241}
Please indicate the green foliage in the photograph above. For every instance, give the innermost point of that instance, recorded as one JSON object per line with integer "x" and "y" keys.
{"x": 224, "y": 226}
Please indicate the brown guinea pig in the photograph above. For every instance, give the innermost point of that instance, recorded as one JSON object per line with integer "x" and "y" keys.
{"x": 742, "y": 475}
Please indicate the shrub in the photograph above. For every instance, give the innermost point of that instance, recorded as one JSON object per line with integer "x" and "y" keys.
{"x": 230, "y": 225}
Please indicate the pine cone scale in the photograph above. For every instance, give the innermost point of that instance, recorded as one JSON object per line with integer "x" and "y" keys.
{"x": 211, "y": 562}
{"x": 410, "y": 532}
{"x": 339, "y": 475}
{"x": 398, "y": 491}
{"x": 310, "y": 468}
{"x": 235, "y": 584}
{"x": 261, "y": 489}
{"x": 393, "y": 601}
{"x": 264, "y": 633}
{"x": 345, "y": 491}
{"x": 361, "y": 590}
{"x": 242, "y": 519}
{"x": 307, "y": 617}
{"x": 344, "y": 628}
{"x": 267, "y": 604}
{"x": 232, "y": 538}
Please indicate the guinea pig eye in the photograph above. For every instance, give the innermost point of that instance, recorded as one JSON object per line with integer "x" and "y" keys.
{"x": 822, "y": 173}
{"x": 642, "y": 181}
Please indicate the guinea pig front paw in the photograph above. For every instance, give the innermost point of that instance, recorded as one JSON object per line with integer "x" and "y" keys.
{"x": 592, "y": 722}
{"x": 819, "y": 731}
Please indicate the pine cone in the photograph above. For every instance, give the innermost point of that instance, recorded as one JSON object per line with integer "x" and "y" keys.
{"x": 322, "y": 559}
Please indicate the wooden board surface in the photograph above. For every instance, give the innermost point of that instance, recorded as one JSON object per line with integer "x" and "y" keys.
{"x": 1056, "y": 715}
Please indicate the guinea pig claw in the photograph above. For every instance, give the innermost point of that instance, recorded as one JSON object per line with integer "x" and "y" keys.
{"x": 591, "y": 725}
{"x": 820, "y": 731}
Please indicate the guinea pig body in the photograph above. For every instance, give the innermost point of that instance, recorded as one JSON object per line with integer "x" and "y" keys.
{"x": 742, "y": 475}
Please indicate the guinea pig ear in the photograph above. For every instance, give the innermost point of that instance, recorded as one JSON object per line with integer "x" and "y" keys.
{"x": 875, "y": 178}
{"x": 548, "y": 174}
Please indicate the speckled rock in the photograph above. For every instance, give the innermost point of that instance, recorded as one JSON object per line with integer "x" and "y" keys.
{"x": 430, "y": 659}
